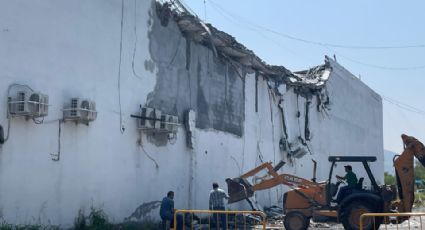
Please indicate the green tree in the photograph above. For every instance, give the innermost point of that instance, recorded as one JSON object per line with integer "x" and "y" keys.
{"x": 419, "y": 172}
{"x": 389, "y": 179}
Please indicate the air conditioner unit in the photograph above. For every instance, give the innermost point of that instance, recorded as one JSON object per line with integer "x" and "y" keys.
{"x": 80, "y": 110}
{"x": 172, "y": 123}
{"x": 150, "y": 119}
{"x": 38, "y": 105}
{"x": 169, "y": 123}
{"x": 163, "y": 123}
{"x": 18, "y": 105}
{"x": 88, "y": 110}
{"x": 29, "y": 104}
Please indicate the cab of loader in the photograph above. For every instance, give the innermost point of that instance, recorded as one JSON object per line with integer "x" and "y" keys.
{"x": 332, "y": 189}
{"x": 302, "y": 204}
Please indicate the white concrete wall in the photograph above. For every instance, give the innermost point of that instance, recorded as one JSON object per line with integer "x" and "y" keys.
{"x": 352, "y": 127}
{"x": 72, "y": 49}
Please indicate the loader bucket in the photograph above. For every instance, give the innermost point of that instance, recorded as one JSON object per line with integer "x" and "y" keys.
{"x": 238, "y": 189}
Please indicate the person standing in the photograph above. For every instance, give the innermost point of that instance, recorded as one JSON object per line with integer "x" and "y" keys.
{"x": 216, "y": 202}
{"x": 166, "y": 210}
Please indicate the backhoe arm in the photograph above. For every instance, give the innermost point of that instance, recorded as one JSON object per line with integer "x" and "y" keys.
{"x": 267, "y": 165}
{"x": 272, "y": 178}
{"x": 404, "y": 167}
{"x": 416, "y": 147}
{"x": 285, "y": 179}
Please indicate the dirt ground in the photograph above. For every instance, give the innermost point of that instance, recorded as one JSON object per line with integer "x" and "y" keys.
{"x": 415, "y": 222}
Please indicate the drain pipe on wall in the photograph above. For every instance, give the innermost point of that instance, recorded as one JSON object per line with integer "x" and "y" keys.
{"x": 57, "y": 156}
{"x": 4, "y": 137}
{"x": 306, "y": 121}
{"x": 1, "y": 135}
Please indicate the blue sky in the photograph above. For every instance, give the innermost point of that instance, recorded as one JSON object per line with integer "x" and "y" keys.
{"x": 396, "y": 74}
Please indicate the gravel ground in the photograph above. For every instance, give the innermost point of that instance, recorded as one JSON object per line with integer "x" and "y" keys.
{"x": 414, "y": 222}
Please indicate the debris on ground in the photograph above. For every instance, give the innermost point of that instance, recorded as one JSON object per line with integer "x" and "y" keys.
{"x": 320, "y": 225}
{"x": 273, "y": 212}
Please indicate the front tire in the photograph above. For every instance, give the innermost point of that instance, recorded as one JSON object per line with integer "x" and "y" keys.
{"x": 350, "y": 216}
{"x": 296, "y": 221}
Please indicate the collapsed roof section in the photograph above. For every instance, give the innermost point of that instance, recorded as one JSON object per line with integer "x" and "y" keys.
{"x": 226, "y": 46}
{"x": 315, "y": 77}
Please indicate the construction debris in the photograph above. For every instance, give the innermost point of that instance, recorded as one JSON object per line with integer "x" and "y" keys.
{"x": 226, "y": 46}
{"x": 273, "y": 212}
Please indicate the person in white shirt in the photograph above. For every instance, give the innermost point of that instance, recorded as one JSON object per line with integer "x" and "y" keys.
{"x": 216, "y": 202}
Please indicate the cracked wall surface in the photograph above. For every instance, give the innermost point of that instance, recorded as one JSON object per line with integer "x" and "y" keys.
{"x": 189, "y": 76}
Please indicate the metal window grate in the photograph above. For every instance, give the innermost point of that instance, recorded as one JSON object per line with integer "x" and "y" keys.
{"x": 21, "y": 104}
{"x": 74, "y": 106}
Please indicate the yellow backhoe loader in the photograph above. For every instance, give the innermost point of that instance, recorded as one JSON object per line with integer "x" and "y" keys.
{"x": 310, "y": 199}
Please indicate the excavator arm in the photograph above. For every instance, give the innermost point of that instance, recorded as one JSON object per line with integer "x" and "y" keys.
{"x": 404, "y": 167}
{"x": 239, "y": 188}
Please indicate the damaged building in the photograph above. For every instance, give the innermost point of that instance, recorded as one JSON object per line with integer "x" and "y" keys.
{"x": 113, "y": 103}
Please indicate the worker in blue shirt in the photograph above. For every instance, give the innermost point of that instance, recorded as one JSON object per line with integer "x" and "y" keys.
{"x": 166, "y": 211}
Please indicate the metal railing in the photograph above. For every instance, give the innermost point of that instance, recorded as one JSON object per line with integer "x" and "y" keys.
{"x": 212, "y": 219}
{"x": 392, "y": 220}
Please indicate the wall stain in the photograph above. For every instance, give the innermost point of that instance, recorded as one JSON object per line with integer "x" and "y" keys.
{"x": 187, "y": 54}
{"x": 158, "y": 139}
{"x": 143, "y": 210}
{"x": 188, "y": 76}
{"x": 149, "y": 66}
{"x": 202, "y": 120}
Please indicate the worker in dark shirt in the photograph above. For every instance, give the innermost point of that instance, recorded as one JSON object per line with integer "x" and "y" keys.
{"x": 166, "y": 210}
{"x": 351, "y": 179}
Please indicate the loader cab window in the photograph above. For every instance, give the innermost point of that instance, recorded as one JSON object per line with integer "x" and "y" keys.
{"x": 348, "y": 179}
{"x": 348, "y": 176}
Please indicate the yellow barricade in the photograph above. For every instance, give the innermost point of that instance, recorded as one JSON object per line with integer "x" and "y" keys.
{"x": 208, "y": 219}
{"x": 391, "y": 220}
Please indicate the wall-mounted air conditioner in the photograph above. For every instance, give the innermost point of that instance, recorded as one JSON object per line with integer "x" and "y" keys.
{"x": 38, "y": 104}
{"x": 149, "y": 119}
{"x": 169, "y": 123}
{"x": 18, "y": 105}
{"x": 80, "y": 110}
{"x": 28, "y": 104}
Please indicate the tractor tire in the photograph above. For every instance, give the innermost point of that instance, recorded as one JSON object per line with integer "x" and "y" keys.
{"x": 350, "y": 216}
{"x": 296, "y": 221}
